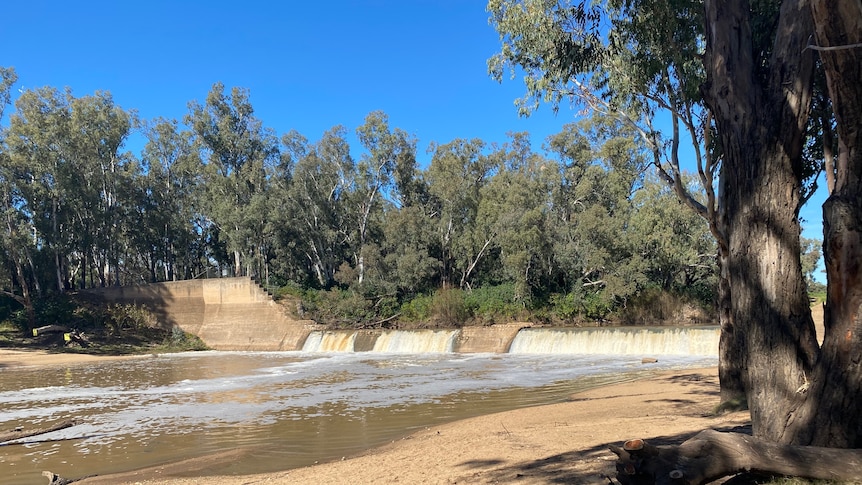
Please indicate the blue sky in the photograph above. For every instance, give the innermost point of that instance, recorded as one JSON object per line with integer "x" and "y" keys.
{"x": 308, "y": 65}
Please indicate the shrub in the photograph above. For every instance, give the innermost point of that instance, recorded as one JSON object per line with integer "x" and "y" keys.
{"x": 417, "y": 309}
{"x": 120, "y": 317}
{"x": 655, "y": 306}
{"x": 491, "y": 303}
{"x": 448, "y": 308}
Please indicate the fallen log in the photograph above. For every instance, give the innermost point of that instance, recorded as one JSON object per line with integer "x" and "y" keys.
{"x": 54, "y": 479}
{"x": 49, "y": 329}
{"x": 711, "y": 455}
{"x": 19, "y": 433}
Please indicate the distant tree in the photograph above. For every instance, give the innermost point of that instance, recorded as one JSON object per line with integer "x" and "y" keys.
{"x": 457, "y": 173}
{"x": 810, "y": 258}
{"x": 375, "y": 181}
{"x": 170, "y": 193}
{"x": 98, "y": 131}
{"x": 237, "y": 152}
{"x": 15, "y": 247}
{"x": 316, "y": 196}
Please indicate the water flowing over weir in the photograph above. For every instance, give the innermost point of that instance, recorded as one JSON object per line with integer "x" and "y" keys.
{"x": 694, "y": 341}
{"x": 618, "y": 341}
{"x": 330, "y": 341}
{"x": 416, "y": 342}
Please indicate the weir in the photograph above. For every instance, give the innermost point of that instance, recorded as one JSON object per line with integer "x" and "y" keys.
{"x": 618, "y": 341}
{"x": 330, "y": 341}
{"x": 693, "y": 341}
{"x": 417, "y": 341}
{"x": 237, "y": 314}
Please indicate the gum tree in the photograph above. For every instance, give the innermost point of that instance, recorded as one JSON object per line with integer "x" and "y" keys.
{"x": 758, "y": 71}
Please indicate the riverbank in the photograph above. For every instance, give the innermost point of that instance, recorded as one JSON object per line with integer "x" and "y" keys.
{"x": 28, "y": 358}
{"x": 559, "y": 443}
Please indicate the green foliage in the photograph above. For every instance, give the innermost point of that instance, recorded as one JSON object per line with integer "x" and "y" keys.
{"x": 52, "y": 311}
{"x": 361, "y": 235}
{"x": 655, "y": 306}
{"x": 417, "y": 309}
{"x": 492, "y": 304}
{"x": 448, "y": 308}
{"x": 180, "y": 341}
{"x": 811, "y": 252}
{"x": 339, "y": 308}
{"x": 122, "y": 317}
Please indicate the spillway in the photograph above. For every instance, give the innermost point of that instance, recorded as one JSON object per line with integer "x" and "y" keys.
{"x": 693, "y": 341}
{"x": 416, "y": 341}
{"x": 618, "y": 340}
{"x": 330, "y": 341}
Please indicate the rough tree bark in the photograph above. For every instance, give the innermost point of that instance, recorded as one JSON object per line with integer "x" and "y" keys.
{"x": 760, "y": 114}
{"x": 831, "y": 414}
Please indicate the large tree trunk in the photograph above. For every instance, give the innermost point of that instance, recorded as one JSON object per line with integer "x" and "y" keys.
{"x": 731, "y": 360}
{"x": 761, "y": 115}
{"x": 831, "y": 415}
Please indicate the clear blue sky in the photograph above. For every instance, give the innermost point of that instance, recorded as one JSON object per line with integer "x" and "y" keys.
{"x": 308, "y": 65}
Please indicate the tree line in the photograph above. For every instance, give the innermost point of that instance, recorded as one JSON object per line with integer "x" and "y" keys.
{"x": 581, "y": 224}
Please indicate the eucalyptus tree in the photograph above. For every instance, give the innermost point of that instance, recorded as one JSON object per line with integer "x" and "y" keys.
{"x": 457, "y": 173}
{"x": 675, "y": 243}
{"x": 238, "y": 151}
{"x": 42, "y": 168}
{"x": 599, "y": 170}
{"x": 386, "y": 151}
{"x": 168, "y": 210}
{"x": 14, "y": 243}
{"x": 318, "y": 197}
{"x": 98, "y": 131}
{"x": 514, "y": 206}
{"x": 757, "y": 70}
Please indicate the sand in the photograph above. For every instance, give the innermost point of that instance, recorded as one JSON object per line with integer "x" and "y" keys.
{"x": 559, "y": 443}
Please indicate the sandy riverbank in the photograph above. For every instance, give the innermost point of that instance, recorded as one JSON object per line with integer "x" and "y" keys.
{"x": 19, "y": 358}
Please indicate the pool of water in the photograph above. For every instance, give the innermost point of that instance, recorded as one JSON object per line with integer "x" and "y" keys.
{"x": 283, "y": 409}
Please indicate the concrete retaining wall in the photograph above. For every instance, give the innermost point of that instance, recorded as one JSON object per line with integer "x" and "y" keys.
{"x": 226, "y": 313}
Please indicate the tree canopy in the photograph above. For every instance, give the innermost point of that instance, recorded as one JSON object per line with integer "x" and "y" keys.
{"x": 575, "y": 227}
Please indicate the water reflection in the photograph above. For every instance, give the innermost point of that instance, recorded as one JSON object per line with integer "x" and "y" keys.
{"x": 282, "y": 410}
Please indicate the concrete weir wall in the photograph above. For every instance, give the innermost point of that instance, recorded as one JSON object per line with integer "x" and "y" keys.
{"x": 226, "y": 313}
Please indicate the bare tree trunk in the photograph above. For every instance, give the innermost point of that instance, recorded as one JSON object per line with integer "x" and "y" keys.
{"x": 731, "y": 345}
{"x": 830, "y": 417}
{"x": 21, "y": 433}
{"x": 760, "y": 122}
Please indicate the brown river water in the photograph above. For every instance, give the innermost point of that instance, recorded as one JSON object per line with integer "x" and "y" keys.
{"x": 285, "y": 409}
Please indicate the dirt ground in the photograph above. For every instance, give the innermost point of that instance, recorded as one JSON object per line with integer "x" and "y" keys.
{"x": 559, "y": 443}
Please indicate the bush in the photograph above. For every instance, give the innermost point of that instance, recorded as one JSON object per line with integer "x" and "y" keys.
{"x": 417, "y": 309}
{"x": 120, "y": 317}
{"x": 448, "y": 308}
{"x": 566, "y": 307}
{"x": 180, "y": 341}
{"x": 655, "y": 306}
{"x": 492, "y": 303}
{"x": 338, "y": 308}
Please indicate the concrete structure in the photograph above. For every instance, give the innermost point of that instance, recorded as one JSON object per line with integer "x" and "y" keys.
{"x": 493, "y": 338}
{"x": 226, "y": 313}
